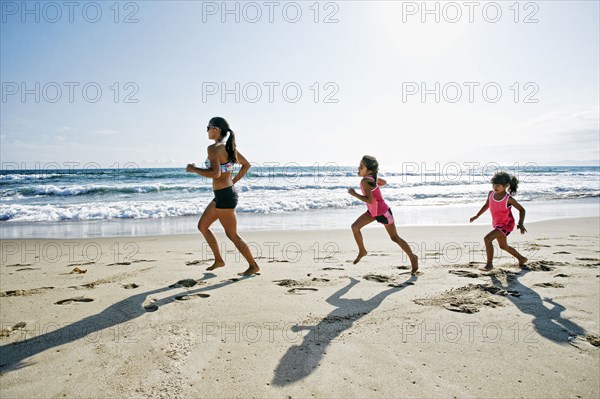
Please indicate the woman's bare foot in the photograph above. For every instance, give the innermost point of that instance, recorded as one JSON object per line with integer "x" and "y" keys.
{"x": 522, "y": 261}
{"x": 361, "y": 254}
{"x": 414, "y": 262}
{"x": 216, "y": 265}
{"x": 250, "y": 271}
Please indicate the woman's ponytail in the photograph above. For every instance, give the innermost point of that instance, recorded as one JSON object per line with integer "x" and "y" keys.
{"x": 230, "y": 147}
{"x": 224, "y": 128}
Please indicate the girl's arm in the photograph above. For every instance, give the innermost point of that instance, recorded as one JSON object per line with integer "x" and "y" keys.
{"x": 367, "y": 189}
{"x": 243, "y": 170}
{"x": 381, "y": 182}
{"x": 214, "y": 171}
{"x": 483, "y": 209}
{"x": 520, "y": 225}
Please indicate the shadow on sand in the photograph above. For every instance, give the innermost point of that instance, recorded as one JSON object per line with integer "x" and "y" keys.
{"x": 301, "y": 360}
{"x": 547, "y": 322}
{"x": 12, "y": 355}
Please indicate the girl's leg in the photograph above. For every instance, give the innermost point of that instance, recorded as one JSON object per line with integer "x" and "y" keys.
{"x": 414, "y": 260}
{"x": 228, "y": 219}
{"x": 489, "y": 248}
{"x": 206, "y": 220}
{"x": 504, "y": 245}
{"x": 358, "y": 224}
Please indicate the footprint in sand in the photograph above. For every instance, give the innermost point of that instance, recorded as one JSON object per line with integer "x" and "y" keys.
{"x": 468, "y": 299}
{"x": 542, "y": 265}
{"x": 194, "y": 262}
{"x": 433, "y": 255}
{"x": 561, "y": 253}
{"x": 5, "y": 332}
{"x": 465, "y": 273}
{"x": 404, "y": 284}
{"x": 119, "y": 264}
{"x": 287, "y": 283}
{"x": 278, "y": 261}
{"x": 130, "y": 286}
{"x": 84, "y": 286}
{"x": 150, "y": 307}
{"x": 81, "y": 264}
{"x": 588, "y": 259}
{"x": 321, "y": 280}
{"x": 593, "y": 339}
{"x": 28, "y": 268}
{"x": 475, "y": 264}
{"x": 188, "y": 282}
{"x": 561, "y": 275}
{"x": 378, "y": 278}
{"x": 461, "y": 307}
{"x": 187, "y": 297}
{"x": 333, "y": 268}
{"x": 25, "y": 292}
{"x": 71, "y": 300}
{"x": 19, "y": 264}
{"x": 299, "y": 290}
{"x": 549, "y": 285}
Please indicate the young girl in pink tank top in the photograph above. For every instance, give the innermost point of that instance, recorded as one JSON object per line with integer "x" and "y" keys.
{"x": 500, "y": 203}
{"x": 377, "y": 209}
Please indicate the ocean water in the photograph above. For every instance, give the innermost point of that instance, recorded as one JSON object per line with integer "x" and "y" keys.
{"x": 39, "y": 203}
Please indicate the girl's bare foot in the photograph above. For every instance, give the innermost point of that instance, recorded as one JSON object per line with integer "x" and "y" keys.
{"x": 522, "y": 261}
{"x": 250, "y": 271}
{"x": 414, "y": 262}
{"x": 361, "y": 254}
{"x": 215, "y": 265}
{"x": 487, "y": 268}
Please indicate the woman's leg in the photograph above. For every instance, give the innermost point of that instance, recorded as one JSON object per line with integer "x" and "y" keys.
{"x": 228, "y": 219}
{"x": 414, "y": 259}
{"x": 504, "y": 245}
{"x": 209, "y": 216}
{"x": 358, "y": 224}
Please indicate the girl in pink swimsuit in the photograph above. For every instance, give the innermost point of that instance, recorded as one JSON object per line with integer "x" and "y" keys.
{"x": 500, "y": 203}
{"x": 377, "y": 209}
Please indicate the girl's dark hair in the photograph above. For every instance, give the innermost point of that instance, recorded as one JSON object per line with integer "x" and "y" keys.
{"x": 222, "y": 124}
{"x": 371, "y": 164}
{"x": 504, "y": 178}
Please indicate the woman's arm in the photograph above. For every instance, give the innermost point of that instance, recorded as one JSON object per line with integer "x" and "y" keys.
{"x": 245, "y": 167}
{"x": 520, "y": 225}
{"x": 214, "y": 172}
{"x": 483, "y": 209}
{"x": 367, "y": 188}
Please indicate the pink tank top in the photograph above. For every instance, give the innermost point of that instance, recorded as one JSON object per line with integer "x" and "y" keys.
{"x": 501, "y": 212}
{"x": 378, "y": 207}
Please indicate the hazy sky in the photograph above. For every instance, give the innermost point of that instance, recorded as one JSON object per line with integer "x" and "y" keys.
{"x": 305, "y": 82}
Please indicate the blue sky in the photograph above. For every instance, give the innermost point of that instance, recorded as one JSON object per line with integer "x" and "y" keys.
{"x": 366, "y": 61}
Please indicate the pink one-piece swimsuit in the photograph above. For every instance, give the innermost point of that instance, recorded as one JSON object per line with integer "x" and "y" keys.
{"x": 378, "y": 208}
{"x": 502, "y": 217}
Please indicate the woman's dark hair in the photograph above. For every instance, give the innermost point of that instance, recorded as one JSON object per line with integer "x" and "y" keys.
{"x": 504, "y": 178}
{"x": 222, "y": 124}
{"x": 371, "y": 164}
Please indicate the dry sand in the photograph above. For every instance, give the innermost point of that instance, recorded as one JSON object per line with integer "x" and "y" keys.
{"x": 312, "y": 324}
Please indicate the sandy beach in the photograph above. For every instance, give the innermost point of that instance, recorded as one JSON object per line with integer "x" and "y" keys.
{"x": 140, "y": 316}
